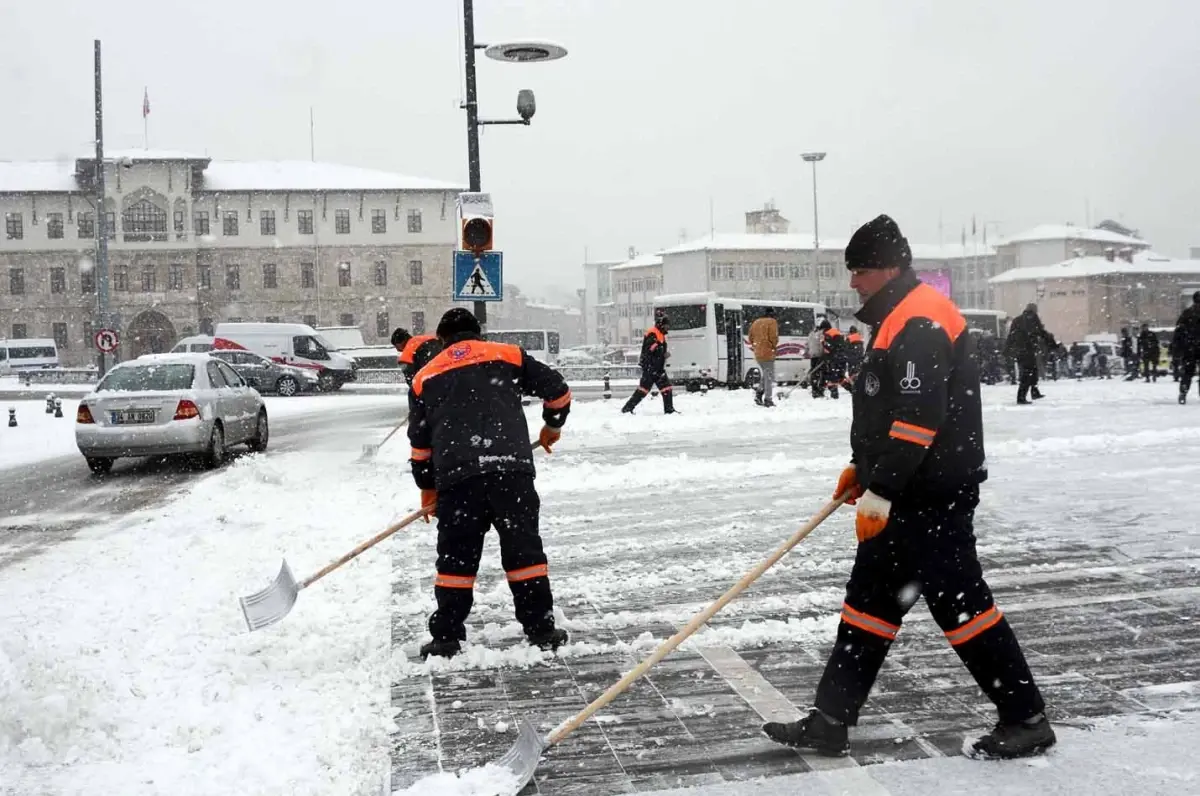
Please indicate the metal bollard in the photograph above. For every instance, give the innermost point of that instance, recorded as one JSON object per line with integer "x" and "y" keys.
{"x": 50, "y": 404}
{"x": 607, "y": 387}
{"x": 12, "y": 417}
{"x": 58, "y": 407}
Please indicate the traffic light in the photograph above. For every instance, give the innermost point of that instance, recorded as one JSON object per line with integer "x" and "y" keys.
{"x": 475, "y": 211}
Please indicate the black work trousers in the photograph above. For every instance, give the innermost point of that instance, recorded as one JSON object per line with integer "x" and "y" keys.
{"x": 1027, "y": 368}
{"x": 927, "y": 549}
{"x": 1187, "y": 371}
{"x": 466, "y": 511}
{"x": 1150, "y": 367}
{"x": 650, "y": 379}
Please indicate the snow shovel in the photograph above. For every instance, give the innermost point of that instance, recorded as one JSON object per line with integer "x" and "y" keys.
{"x": 273, "y": 603}
{"x": 369, "y": 451}
{"x": 522, "y": 759}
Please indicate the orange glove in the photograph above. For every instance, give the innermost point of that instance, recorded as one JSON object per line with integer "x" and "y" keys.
{"x": 548, "y": 437}
{"x": 872, "y": 517}
{"x": 848, "y": 482}
{"x": 429, "y": 501}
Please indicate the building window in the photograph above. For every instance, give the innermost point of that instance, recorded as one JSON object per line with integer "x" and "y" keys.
{"x": 87, "y": 280}
{"x": 175, "y": 277}
{"x": 346, "y": 319}
{"x": 266, "y": 222}
{"x": 381, "y": 274}
{"x": 234, "y": 319}
{"x": 144, "y": 221}
{"x": 418, "y": 323}
{"x": 229, "y": 223}
{"x": 414, "y": 220}
{"x": 270, "y": 277}
{"x": 200, "y": 222}
{"x": 16, "y": 281}
{"x": 204, "y": 277}
{"x": 120, "y": 278}
{"x": 341, "y": 222}
{"x": 179, "y": 222}
{"x": 308, "y": 276}
{"x": 14, "y": 226}
{"x": 88, "y": 334}
{"x": 343, "y": 274}
{"x": 416, "y": 274}
{"x": 58, "y": 280}
{"x": 60, "y": 335}
{"x": 378, "y": 222}
{"x": 54, "y": 226}
{"x": 382, "y": 327}
{"x": 309, "y": 320}
{"x": 233, "y": 277}
{"x": 110, "y": 225}
{"x": 206, "y": 326}
{"x": 19, "y": 332}
{"x": 149, "y": 280}
{"x": 304, "y": 222}
{"x": 87, "y": 225}
{"x": 271, "y": 319}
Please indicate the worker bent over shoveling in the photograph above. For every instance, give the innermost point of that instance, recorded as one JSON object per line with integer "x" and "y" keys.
{"x": 472, "y": 460}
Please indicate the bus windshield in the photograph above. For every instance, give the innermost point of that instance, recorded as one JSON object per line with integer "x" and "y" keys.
{"x": 682, "y": 317}
{"x": 793, "y": 321}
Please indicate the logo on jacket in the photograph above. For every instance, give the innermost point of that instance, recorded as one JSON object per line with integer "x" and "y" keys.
{"x": 460, "y": 351}
{"x": 871, "y": 385}
{"x": 910, "y": 383}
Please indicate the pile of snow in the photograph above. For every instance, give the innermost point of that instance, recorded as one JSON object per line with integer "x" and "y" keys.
{"x": 38, "y": 436}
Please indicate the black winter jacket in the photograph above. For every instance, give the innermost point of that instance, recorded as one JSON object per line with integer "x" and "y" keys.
{"x": 1186, "y": 342}
{"x": 654, "y": 351}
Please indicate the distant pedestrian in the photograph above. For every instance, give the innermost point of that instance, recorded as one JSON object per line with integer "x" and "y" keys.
{"x": 1186, "y": 345}
{"x": 832, "y": 360}
{"x": 1128, "y": 354}
{"x": 1148, "y": 352}
{"x": 764, "y": 338}
{"x": 1027, "y": 339}
{"x": 406, "y": 345}
{"x": 853, "y": 351}
{"x": 653, "y": 362}
{"x": 816, "y": 344}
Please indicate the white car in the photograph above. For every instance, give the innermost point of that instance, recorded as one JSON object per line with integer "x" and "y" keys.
{"x": 166, "y": 404}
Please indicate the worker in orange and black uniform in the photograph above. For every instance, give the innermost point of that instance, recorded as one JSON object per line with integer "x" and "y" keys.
{"x": 853, "y": 350}
{"x": 833, "y": 356}
{"x": 406, "y": 346}
{"x": 472, "y": 460}
{"x": 917, "y": 463}
{"x": 654, "y": 366}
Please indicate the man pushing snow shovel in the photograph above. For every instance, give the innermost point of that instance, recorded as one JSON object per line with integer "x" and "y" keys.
{"x": 918, "y": 461}
{"x": 472, "y": 461}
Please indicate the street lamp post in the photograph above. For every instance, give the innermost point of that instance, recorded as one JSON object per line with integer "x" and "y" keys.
{"x": 513, "y": 52}
{"x": 814, "y": 158}
{"x": 101, "y": 264}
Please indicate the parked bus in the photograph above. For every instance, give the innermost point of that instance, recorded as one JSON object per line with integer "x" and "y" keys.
{"x": 27, "y": 354}
{"x": 709, "y": 337}
{"x": 541, "y": 344}
{"x": 993, "y": 321}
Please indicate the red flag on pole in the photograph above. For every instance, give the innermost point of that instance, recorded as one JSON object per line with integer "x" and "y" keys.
{"x": 146, "y": 103}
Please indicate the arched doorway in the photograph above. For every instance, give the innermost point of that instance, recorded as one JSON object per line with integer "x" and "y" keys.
{"x": 149, "y": 333}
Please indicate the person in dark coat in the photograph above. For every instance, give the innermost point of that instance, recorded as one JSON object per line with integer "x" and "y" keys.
{"x": 1185, "y": 345}
{"x": 1128, "y": 354}
{"x": 1149, "y": 352}
{"x": 654, "y": 366}
{"x": 1027, "y": 338}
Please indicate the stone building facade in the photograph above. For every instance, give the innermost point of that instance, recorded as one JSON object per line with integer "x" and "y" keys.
{"x": 194, "y": 242}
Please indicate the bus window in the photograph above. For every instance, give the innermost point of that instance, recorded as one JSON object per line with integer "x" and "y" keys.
{"x": 530, "y": 341}
{"x": 793, "y": 321}
{"x": 553, "y": 342}
{"x": 685, "y": 316}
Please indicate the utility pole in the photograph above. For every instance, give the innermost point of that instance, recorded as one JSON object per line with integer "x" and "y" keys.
{"x": 472, "y": 108}
{"x": 814, "y": 158}
{"x": 102, "y": 312}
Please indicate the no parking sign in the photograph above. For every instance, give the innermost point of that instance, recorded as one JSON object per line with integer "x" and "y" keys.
{"x": 107, "y": 340}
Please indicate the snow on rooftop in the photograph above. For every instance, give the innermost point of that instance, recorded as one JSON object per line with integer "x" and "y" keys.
{"x": 144, "y": 154}
{"x": 1145, "y": 262}
{"x": 1070, "y": 232}
{"x": 755, "y": 242}
{"x": 37, "y": 176}
{"x": 303, "y": 175}
{"x": 641, "y": 261}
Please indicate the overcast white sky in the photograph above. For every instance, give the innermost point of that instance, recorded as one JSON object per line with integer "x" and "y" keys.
{"x": 1020, "y": 112}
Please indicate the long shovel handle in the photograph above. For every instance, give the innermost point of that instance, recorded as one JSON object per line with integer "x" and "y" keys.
{"x": 392, "y": 433}
{"x": 391, "y": 529}
{"x": 697, "y": 622}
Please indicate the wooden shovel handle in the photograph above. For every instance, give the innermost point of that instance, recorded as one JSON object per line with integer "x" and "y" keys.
{"x": 392, "y": 433}
{"x": 697, "y": 622}
{"x": 391, "y": 529}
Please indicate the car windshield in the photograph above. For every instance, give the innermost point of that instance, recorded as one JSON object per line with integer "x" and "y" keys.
{"x": 147, "y": 377}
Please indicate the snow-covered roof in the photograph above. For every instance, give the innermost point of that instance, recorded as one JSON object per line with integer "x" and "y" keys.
{"x": 37, "y": 176}
{"x": 755, "y": 242}
{"x": 641, "y": 261}
{"x": 144, "y": 154}
{"x": 1145, "y": 262}
{"x": 1069, "y": 232}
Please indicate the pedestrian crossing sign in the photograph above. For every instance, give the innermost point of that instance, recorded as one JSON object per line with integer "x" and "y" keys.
{"x": 478, "y": 278}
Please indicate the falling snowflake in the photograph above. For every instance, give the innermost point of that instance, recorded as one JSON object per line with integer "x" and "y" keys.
{"x": 908, "y": 594}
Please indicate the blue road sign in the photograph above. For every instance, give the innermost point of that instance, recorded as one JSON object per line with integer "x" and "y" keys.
{"x": 478, "y": 280}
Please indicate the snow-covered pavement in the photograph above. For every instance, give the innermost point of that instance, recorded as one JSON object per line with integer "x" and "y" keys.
{"x": 125, "y": 666}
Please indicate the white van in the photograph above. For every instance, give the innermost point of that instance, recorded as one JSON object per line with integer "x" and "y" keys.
{"x": 294, "y": 344}
{"x": 196, "y": 344}
{"x": 27, "y": 354}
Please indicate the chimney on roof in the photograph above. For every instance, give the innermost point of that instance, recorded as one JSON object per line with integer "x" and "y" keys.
{"x": 1110, "y": 254}
{"x": 632, "y": 252}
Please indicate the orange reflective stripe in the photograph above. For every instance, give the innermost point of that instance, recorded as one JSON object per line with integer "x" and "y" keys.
{"x": 454, "y": 581}
{"x": 914, "y": 434}
{"x": 422, "y": 454}
{"x": 871, "y": 624}
{"x": 964, "y": 633}
{"x": 667, "y": 388}
{"x": 642, "y": 390}
{"x": 923, "y": 302}
{"x": 410, "y": 348}
{"x": 461, "y": 355}
{"x": 558, "y": 403}
{"x": 657, "y": 334}
{"x": 529, "y": 573}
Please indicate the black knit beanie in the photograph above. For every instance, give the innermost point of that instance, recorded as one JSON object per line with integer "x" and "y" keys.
{"x": 878, "y": 244}
{"x": 456, "y": 321}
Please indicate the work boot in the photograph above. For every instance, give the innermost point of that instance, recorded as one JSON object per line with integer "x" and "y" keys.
{"x": 441, "y": 648}
{"x": 1035, "y": 393}
{"x": 758, "y": 398}
{"x": 1020, "y": 739}
{"x": 1183, "y": 397}
{"x": 633, "y": 401}
{"x": 814, "y": 732}
{"x": 668, "y": 402}
{"x": 550, "y": 640}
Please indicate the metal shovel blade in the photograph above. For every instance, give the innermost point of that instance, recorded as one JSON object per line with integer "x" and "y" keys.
{"x": 368, "y": 453}
{"x": 522, "y": 757}
{"x": 272, "y": 603}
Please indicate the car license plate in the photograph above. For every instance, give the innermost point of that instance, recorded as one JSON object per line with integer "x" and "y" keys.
{"x": 133, "y": 417}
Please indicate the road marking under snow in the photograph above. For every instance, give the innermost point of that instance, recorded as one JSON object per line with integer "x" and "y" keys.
{"x": 838, "y": 774}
